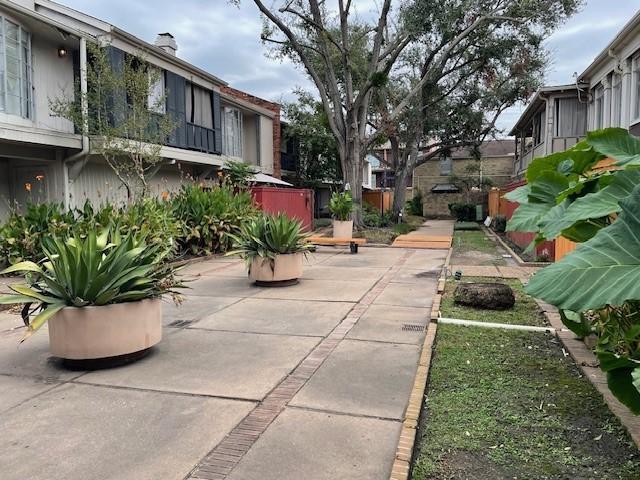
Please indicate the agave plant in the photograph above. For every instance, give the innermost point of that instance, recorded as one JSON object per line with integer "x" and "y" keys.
{"x": 268, "y": 236}
{"x": 90, "y": 271}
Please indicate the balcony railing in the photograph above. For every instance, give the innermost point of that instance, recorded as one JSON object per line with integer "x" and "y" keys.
{"x": 200, "y": 138}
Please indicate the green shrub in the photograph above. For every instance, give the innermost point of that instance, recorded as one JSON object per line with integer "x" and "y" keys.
{"x": 499, "y": 223}
{"x": 403, "y": 228}
{"x": 97, "y": 269}
{"x": 341, "y": 206}
{"x": 466, "y": 226}
{"x": 21, "y": 235}
{"x": 208, "y": 217}
{"x": 238, "y": 174}
{"x": 463, "y": 212}
{"x": 414, "y": 206}
{"x": 372, "y": 218}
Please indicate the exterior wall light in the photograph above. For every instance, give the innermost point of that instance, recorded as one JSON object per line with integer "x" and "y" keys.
{"x": 62, "y": 52}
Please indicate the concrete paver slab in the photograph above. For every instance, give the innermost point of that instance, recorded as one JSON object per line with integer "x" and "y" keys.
{"x": 408, "y": 294}
{"x": 326, "y": 272}
{"x": 194, "y": 307}
{"x": 365, "y": 378}
{"x": 319, "y": 446}
{"x": 327, "y": 290}
{"x": 283, "y": 317}
{"x": 220, "y": 286}
{"x": 381, "y": 324}
{"x": 417, "y": 276}
{"x": 31, "y": 358}
{"x": 89, "y": 433}
{"x": 228, "y": 364}
{"x": 10, "y": 320}
{"x": 15, "y": 390}
{"x": 368, "y": 257}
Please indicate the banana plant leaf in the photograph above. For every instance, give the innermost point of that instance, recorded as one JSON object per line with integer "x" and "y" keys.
{"x": 617, "y": 143}
{"x": 602, "y": 271}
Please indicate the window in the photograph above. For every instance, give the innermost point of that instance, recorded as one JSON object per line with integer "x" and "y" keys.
{"x": 232, "y": 132}
{"x": 156, "y": 99}
{"x": 616, "y": 100}
{"x": 538, "y": 128}
{"x": 198, "y": 103}
{"x": 15, "y": 69}
{"x": 571, "y": 117}
{"x": 598, "y": 119}
{"x": 636, "y": 88}
{"x": 445, "y": 165}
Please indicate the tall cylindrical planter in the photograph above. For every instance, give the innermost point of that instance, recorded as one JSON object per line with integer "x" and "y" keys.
{"x": 284, "y": 268}
{"x": 342, "y": 229}
{"x": 90, "y": 333}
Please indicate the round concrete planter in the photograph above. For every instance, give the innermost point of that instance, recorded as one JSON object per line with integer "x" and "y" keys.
{"x": 283, "y": 270}
{"x": 342, "y": 229}
{"x": 90, "y": 333}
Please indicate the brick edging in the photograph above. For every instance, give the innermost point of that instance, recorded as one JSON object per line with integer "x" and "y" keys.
{"x": 512, "y": 252}
{"x": 589, "y": 365}
{"x": 407, "y": 441}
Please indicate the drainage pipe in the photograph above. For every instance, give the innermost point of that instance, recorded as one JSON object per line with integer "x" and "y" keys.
{"x": 506, "y": 326}
{"x": 73, "y": 165}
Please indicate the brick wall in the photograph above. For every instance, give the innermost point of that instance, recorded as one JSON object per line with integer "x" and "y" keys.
{"x": 427, "y": 175}
{"x": 271, "y": 106}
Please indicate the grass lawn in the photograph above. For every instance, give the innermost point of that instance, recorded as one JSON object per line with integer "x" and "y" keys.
{"x": 524, "y": 312}
{"x": 510, "y": 405}
{"x": 474, "y": 248}
{"x": 388, "y": 234}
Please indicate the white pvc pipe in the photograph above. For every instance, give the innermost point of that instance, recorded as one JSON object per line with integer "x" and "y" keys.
{"x": 506, "y": 326}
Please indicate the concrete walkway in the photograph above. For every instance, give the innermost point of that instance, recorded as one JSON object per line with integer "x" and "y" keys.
{"x": 309, "y": 381}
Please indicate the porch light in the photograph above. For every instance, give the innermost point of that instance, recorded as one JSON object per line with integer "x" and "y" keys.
{"x": 62, "y": 52}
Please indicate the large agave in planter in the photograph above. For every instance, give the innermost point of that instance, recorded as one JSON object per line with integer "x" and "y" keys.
{"x": 273, "y": 246}
{"x": 99, "y": 294}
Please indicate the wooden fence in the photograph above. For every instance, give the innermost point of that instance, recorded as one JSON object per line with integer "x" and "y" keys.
{"x": 381, "y": 200}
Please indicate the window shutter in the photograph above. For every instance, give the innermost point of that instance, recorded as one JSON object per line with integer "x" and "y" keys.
{"x": 217, "y": 121}
{"x": 176, "y": 107}
{"x": 118, "y": 101}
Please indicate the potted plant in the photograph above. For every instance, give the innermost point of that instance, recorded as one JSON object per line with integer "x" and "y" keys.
{"x": 273, "y": 247}
{"x": 341, "y": 206}
{"x": 100, "y": 294}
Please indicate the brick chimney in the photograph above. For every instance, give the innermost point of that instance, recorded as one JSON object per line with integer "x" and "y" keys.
{"x": 167, "y": 43}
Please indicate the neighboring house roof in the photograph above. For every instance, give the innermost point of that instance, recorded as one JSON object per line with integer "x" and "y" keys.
{"x": 536, "y": 100}
{"x": 629, "y": 30}
{"x": 488, "y": 148}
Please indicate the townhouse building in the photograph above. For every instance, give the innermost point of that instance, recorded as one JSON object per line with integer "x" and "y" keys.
{"x": 43, "y": 55}
{"x": 605, "y": 94}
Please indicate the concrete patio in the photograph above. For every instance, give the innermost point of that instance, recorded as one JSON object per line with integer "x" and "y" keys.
{"x": 309, "y": 381}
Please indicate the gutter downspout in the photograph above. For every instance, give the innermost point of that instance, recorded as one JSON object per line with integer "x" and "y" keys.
{"x": 73, "y": 165}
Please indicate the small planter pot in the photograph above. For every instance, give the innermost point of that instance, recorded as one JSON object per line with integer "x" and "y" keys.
{"x": 284, "y": 270}
{"x": 92, "y": 333}
{"x": 342, "y": 229}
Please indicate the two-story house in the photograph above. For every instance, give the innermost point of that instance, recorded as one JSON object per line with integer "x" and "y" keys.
{"x": 606, "y": 94}
{"x": 43, "y": 55}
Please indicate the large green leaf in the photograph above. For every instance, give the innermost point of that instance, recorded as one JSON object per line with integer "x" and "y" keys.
{"x": 594, "y": 205}
{"x": 617, "y": 143}
{"x": 622, "y": 385}
{"x": 519, "y": 195}
{"x": 603, "y": 271}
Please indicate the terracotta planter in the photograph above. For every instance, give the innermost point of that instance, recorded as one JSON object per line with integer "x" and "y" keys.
{"x": 342, "y": 229}
{"x": 285, "y": 268}
{"x": 108, "y": 331}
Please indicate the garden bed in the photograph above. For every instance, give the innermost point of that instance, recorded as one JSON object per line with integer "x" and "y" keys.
{"x": 386, "y": 235}
{"x": 513, "y": 404}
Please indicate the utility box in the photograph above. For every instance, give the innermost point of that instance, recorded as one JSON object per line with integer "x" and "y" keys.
{"x": 294, "y": 202}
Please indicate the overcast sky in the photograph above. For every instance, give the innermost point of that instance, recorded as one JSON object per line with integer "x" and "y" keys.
{"x": 225, "y": 40}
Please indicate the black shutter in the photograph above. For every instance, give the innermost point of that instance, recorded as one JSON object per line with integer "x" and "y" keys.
{"x": 176, "y": 107}
{"x": 217, "y": 121}
{"x": 118, "y": 102}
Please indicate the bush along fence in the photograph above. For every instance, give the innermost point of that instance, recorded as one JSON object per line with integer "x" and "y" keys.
{"x": 597, "y": 286}
{"x": 193, "y": 222}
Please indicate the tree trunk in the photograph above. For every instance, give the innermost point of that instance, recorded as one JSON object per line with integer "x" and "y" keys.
{"x": 404, "y": 167}
{"x": 352, "y": 161}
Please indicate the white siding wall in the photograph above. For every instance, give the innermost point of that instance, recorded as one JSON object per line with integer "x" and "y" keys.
{"x": 99, "y": 184}
{"x": 250, "y": 140}
{"x": 52, "y": 78}
{"x": 5, "y": 195}
{"x": 266, "y": 144}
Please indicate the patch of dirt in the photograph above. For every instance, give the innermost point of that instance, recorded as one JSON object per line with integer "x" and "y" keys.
{"x": 463, "y": 465}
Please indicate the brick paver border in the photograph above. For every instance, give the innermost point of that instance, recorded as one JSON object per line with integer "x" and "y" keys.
{"x": 225, "y": 456}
